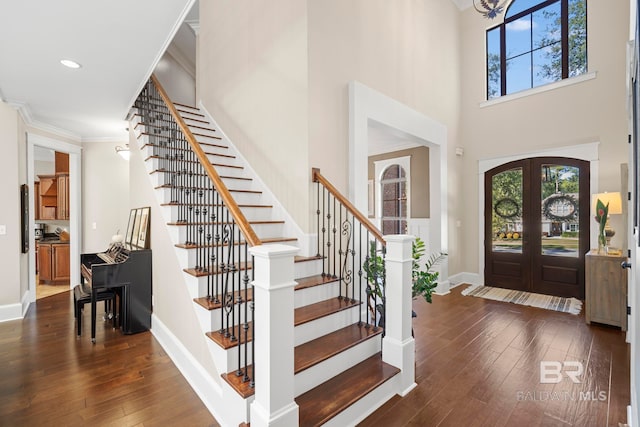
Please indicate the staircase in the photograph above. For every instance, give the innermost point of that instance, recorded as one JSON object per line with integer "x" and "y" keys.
{"x": 339, "y": 372}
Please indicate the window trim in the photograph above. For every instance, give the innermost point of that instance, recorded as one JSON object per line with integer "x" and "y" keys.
{"x": 540, "y": 89}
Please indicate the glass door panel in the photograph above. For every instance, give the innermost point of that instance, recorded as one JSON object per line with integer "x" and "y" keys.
{"x": 506, "y": 217}
{"x": 560, "y": 201}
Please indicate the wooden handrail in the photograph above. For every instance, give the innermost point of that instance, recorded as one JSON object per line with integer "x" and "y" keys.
{"x": 317, "y": 177}
{"x": 249, "y": 235}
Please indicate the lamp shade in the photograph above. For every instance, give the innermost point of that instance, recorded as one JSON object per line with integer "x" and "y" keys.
{"x": 613, "y": 199}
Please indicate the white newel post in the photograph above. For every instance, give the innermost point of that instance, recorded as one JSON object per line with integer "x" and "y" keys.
{"x": 273, "y": 336}
{"x": 398, "y": 345}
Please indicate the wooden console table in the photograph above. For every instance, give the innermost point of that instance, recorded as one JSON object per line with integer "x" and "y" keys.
{"x": 605, "y": 289}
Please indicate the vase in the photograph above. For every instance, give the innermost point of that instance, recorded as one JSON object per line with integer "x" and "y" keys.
{"x": 602, "y": 243}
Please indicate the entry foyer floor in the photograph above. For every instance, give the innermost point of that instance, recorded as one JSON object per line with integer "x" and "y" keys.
{"x": 477, "y": 364}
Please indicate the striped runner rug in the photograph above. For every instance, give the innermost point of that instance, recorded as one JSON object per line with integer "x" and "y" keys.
{"x": 566, "y": 305}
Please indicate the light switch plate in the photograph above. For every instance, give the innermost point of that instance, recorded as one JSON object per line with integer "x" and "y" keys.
{"x": 3, "y": 229}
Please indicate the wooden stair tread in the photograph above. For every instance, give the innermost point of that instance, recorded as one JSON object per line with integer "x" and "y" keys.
{"x": 193, "y": 113}
{"x": 311, "y": 281}
{"x": 211, "y": 271}
{"x": 264, "y": 241}
{"x": 243, "y": 205}
{"x": 256, "y": 222}
{"x": 196, "y": 134}
{"x": 211, "y": 304}
{"x": 243, "y": 388}
{"x": 194, "y": 161}
{"x": 238, "y": 178}
{"x": 319, "y": 405}
{"x": 186, "y": 106}
{"x": 196, "y": 120}
{"x": 320, "y": 349}
{"x": 150, "y": 144}
{"x": 227, "y": 342}
{"x": 320, "y": 309}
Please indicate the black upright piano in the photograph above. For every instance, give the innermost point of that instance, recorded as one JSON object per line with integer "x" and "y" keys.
{"x": 127, "y": 270}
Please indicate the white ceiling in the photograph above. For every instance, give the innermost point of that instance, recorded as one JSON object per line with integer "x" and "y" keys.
{"x": 117, "y": 42}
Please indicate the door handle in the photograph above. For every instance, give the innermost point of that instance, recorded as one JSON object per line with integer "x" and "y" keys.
{"x": 625, "y": 264}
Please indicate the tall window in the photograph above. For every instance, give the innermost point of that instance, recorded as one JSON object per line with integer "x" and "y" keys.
{"x": 394, "y": 200}
{"x": 539, "y": 42}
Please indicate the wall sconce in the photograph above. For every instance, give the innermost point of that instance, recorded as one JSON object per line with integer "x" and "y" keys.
{"x": 123, "y": 151}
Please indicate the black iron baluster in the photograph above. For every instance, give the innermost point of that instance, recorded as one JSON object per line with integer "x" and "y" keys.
{"x": 324, "y": 210}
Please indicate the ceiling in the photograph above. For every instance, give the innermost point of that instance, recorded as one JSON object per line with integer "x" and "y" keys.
{"x": 118, "y": 43}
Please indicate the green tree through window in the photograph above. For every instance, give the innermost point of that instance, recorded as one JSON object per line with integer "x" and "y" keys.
{"x": 539, "y": 42}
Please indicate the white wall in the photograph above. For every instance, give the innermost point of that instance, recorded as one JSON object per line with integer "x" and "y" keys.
{"x": 590, "y": 111}
{"x": 176, "y": 80}
{"x": 172, "y": 304}
{"x": 252, "y": 78}
{"x": 105, "y": 194}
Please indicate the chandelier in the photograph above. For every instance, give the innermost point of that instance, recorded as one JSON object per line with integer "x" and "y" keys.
{"x": 490, "y": 8}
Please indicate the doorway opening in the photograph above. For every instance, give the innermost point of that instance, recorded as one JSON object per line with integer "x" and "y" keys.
{"x": 55, "y": 206}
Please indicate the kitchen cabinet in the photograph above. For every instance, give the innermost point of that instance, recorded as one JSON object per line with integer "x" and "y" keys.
{"x": 48, "y": 196}
{"x": 63, "y": 196}
{"x": 54, "y": 262}
{"x": 605, "y": 289}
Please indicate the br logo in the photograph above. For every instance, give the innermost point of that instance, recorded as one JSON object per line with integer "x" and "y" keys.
{"x": 552, "y": 372}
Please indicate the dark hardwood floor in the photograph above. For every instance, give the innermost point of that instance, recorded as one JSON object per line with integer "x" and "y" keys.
{"x": 477, "y": 364}
{"x": 48, "y": 377}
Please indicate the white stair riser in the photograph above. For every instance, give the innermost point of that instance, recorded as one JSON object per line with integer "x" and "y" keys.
{"x": 150, "y": 149}
{"x": 153, "y": 164}
{"x": 211, "y": 320}
{"x": 179, "y": 232}
{"x": 198, "y": 285}
{"x": 316, "y": 294}
{"x": 171, "y": 195}
{"x": 324, "y": 371}
{"x": 227, "y": 360}
{"x": 366, "y": 406}
{"x": 250, "y": 213}
{"x": 319, "y": 327}
{"x": 307, "y": 268}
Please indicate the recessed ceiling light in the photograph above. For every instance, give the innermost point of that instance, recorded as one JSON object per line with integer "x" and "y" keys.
{"x": 69, "y": 63}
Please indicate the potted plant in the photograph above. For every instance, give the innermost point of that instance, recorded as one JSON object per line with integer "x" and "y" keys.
{"x": 424, "y": 281}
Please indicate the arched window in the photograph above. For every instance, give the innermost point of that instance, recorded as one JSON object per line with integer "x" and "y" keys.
{"x": 539, "y": 42}
{"x": 394, "y": 200}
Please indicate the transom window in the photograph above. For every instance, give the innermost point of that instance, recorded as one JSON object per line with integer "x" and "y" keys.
{"x": 539, "y": 42}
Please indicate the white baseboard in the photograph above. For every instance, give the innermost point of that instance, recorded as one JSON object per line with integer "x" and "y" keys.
{"x": 465, "y": 278}
{"x": 27, "y": 299}
{"x": 10, "y": 312}
{"x": 198, "y": 378}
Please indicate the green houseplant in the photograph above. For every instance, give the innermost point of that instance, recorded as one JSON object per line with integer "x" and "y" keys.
{"x": 424, "y": 281}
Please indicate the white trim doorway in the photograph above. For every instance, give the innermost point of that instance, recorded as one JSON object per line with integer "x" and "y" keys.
{"x": 75, "y": 204}
{"x": 367, "y": 105}
{"x": 588, "y": 152}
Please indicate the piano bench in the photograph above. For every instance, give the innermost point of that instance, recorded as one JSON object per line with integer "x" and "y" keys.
{"x": 82, "y": 296}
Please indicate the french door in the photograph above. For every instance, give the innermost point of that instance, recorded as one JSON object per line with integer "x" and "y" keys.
{"x": 537, "y": 225}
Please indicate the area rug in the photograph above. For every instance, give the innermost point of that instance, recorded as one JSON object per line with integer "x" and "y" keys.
{"x": 548, "y": 302}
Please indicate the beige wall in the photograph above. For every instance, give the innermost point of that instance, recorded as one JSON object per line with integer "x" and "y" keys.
{"x": 419, "y": 185}
{"x": 10, "y": 255}
{"x": 591, "y": 111}
{"x": 179, "y": 84}
{"x": 105, "y": 194}
{"x": 252, "y": 78}
{"x": 172, "y": 304}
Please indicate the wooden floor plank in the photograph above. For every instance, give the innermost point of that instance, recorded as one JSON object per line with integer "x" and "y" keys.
{"x": 465, "y": 370}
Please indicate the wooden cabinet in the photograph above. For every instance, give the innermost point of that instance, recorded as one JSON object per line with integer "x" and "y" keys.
{"x": 48, "y": 196}
{"x": 36, "y": 200}
{"x": 63, "y": 196}
{"x": 605, "y": 289}
{"x": 54, "y": 263}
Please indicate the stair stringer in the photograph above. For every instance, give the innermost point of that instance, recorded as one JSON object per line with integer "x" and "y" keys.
{"x": 227, "y": 406}
{"x": 307, "y": 243}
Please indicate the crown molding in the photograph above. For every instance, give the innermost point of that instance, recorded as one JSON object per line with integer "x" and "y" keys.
{"x": 25, "y": 112}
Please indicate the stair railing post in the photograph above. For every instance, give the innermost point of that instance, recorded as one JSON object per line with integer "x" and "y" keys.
{"x": 274, "y": 404}
{"x": 398, "y": 345}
